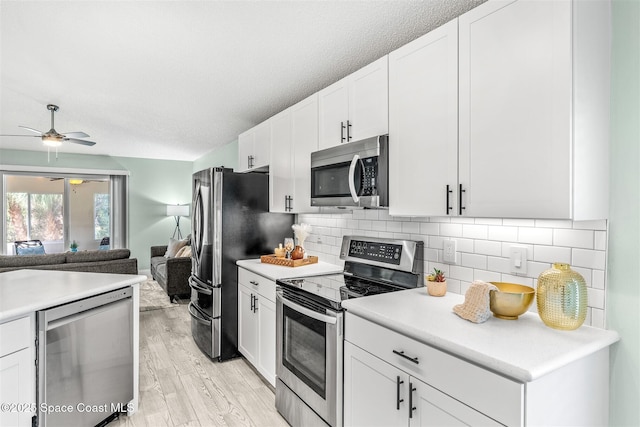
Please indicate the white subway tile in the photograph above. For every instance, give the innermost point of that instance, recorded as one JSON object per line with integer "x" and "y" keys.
{"x": 487, "y": 247}
{"x": 364, "y": 224}
{"x": 452, "y": 230}
{"x": 402, "y": 236}
{"x": 600, "y": 240}
{"x": 541, "y": 236}
{"x": 383, "y": 215}
{"x": 573, "y": 238}
{"x": 440, "y": 219}
{"x": 489, "y": 221}
{"x": 595, "y": 298}
{"x": 385, "y": 235}
{"x": 410, "y": 227}
{"x": 512, "y": 222}
{"x": 600, "y": 224}
{"x": 597, "y": 279}
{"x": 486, "y": 275}
{"x": 551, "y": 254}
{"x": 502, "y": 233}
{"x": 358, "y": 214}
{"x": 588, "y": 258}
{"x": 474, "y": 261}
{"x": 597, "y": 318}
{"x": 464, "y": 287}
{"x": 506, "y": 249}
{"x": 554, "y": 223}
{"x": 431, "y": 255}
{"x": 430, "y": 228}
{"x": 371, "y": 214}
{"x": 352, "y": 223}
{"x": 394, "y": 226}
{"x": 464, "y": 245}
{"x": 473, "y": 231}
{"x": 436, "y": 242}
{"x": 461, "y": 273}
{"x": 500, "y": 265}
{"x": 454, "y": 286}
{"x": 509, "y": 278}
{"x": 379, "y": 225}
{"x": 535, "y": 268}
{"x": 462, "y": 220}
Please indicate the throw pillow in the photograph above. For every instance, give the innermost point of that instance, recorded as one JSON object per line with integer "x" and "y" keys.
{"x": 184, "y": 252}
{"x": 173, "y": 247}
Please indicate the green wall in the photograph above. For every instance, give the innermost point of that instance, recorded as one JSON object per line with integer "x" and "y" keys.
{"x": 623, "y": 279}
{"x": 226, "y": 156}
{"x": 152, "y": 185}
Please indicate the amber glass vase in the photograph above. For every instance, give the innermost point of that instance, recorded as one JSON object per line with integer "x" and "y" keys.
{"x": 561, "y": 297}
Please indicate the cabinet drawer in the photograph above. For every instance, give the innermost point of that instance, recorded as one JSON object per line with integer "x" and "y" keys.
{"x": 14, "y": 336}
{"x": 495, "y": 396}
{"x": 258, "y": 283}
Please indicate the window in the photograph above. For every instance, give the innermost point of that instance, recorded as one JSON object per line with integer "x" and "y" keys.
{"x": 34, "y": 216}
{"x": 100, "y": 215}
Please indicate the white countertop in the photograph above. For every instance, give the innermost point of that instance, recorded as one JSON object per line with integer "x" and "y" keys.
{"x": 275, "y": 272}
{"x": 524, "y": 349}
{"x": 25, "y": 291}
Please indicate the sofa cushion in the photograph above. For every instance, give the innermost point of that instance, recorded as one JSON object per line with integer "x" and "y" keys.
{"x": 185, "y": 251}
{"x": 174, "y": 246}
{"x": 31, "y": 250}
{"x": 28, "y": 260}
{"x": 97, "y": 255}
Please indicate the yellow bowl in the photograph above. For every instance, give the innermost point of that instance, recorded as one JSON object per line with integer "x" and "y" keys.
{"x": 510, "y": 300}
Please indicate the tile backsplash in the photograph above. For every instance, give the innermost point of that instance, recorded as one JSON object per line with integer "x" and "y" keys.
{"x": 483, "y": 247}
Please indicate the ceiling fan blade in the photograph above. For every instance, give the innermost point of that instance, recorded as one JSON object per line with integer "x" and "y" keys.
{"x": 31, "y": 129}
{"x": 30, "y": 136}
{"x": 80, "y": 141}
{"x": 75, "y": 135}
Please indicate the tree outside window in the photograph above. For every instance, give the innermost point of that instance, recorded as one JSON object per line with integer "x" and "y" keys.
{"x": 101, "y": 215}
{"x": 34, "y": 216}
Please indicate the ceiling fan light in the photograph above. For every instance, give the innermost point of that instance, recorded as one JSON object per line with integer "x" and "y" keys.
{"x": 51, "y": 141}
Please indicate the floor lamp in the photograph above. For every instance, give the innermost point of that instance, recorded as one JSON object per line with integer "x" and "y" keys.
{"x": 176, "y": 211}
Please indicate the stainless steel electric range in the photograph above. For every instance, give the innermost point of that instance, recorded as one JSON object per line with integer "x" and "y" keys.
{"x": 309, "y": 322}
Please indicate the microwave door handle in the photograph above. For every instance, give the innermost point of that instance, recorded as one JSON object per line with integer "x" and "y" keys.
{"x": 352, "y": 172}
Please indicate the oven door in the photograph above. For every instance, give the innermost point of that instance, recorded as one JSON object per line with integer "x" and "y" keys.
{"x": 309, "y": 356}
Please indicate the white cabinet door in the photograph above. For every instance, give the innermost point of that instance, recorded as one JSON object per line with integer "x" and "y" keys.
{"x": 375, "y": 392}
{"x": 17, "y": 386}
{"x": 280, "y": 165}
{"x": 262, "y": 145}
{"x": 247, "y": 324}
{"x": 333, "y": 113}
{"x": 423, "y": 125}
{"x": 515, "y": 109}
{"x": 435, "y": 409}
{"x": 304, "y": 139}
{"x": 369, "y": 101}
{"x": 267, "y": 339}
{"x": 245, "y": 150}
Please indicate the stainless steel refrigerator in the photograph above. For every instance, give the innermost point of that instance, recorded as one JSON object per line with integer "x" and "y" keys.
{"x": 230, "y": 221}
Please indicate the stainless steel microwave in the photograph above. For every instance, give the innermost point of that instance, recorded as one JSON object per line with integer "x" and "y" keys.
{"x": 354, "y": 174}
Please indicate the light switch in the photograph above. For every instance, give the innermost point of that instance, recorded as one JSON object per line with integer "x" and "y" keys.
{"x": 518, "y": 258}
{"x": 449, "y": 247}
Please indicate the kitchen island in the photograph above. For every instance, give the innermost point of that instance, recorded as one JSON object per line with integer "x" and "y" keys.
{"x": 513, "y": 372}
{"x": 23, "y": 293}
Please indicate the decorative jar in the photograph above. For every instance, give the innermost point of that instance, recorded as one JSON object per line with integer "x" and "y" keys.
{"x": 561, "y": 297}
{"x": 297, "y": 252}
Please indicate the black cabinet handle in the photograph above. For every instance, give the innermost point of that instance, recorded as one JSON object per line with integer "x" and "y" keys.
{"x": 252, "y": 302}
{"x": 342, "y": 127}
{"x": 411, "y": 359}
{"x": 398, "y": 400}
{"x": 411, "y": 407}
{"x": 253, "y": 282}
{"x": 250, "y": 161}
{"x": 348, "y": 133}
{"x": 255, "y": 303}
{"x": 288, "y": 203}
{"x": 449, "y": 191}
{"x": 460, "y": 207}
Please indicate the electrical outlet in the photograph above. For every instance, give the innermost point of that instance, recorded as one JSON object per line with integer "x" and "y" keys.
{"x": 449, "y": 251}
{"x": 518, "y": 259}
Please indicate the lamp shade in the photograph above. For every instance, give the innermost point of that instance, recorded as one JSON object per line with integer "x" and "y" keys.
{"x": 177, "y": 210}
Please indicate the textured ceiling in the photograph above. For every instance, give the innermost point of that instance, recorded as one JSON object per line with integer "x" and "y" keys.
{"x": 175, "y": 79}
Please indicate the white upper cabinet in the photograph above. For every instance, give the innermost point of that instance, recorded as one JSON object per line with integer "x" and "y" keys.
{"x": 423, "y": 125}
{"x": 294, "y": 135}
{"x": 534, "y": 90}
{"x": 355, "y": 107}
{"x": 254, "y": 147}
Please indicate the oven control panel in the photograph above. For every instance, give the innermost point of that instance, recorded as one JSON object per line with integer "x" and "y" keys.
{"x": 388, "y": 253}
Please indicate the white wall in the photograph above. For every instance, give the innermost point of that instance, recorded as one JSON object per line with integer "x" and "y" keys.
{"x": 483, "y": 247}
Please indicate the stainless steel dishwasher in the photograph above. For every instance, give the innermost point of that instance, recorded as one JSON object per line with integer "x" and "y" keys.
{"x": 85, "y": 360}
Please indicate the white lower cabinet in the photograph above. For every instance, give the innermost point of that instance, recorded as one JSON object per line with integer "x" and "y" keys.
{"x": 17, "y": 372}
{"x": 257, "y": 322}
{"x": 378, "y": 393}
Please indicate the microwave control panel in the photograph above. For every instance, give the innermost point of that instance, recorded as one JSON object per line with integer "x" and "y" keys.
{"x": 374, "y": 251}
{"x": 369, "y": 174}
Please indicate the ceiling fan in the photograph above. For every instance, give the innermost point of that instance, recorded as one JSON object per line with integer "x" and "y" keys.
{"x": 52, "y": 138}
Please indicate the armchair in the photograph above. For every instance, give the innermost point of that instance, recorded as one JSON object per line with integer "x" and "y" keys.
{"x": 171, "y": 273}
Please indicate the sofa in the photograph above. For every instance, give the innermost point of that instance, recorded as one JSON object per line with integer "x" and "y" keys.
{"x": 98, "y": 261}
{"x": 172, "y": 273}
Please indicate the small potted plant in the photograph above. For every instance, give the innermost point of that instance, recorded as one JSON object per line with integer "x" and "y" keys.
{"x": 436, "y": 283}
{"x": 74, "y": 246}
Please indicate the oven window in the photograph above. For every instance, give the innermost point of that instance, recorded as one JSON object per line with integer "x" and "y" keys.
{"x": 332, "y": 180}
{"x": 304, "y": 349}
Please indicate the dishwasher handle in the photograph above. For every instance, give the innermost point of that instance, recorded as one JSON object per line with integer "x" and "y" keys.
{"x": 83, "y": 314}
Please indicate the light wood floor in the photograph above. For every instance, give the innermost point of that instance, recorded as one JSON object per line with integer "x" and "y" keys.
{"x": 180, "y": 386}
